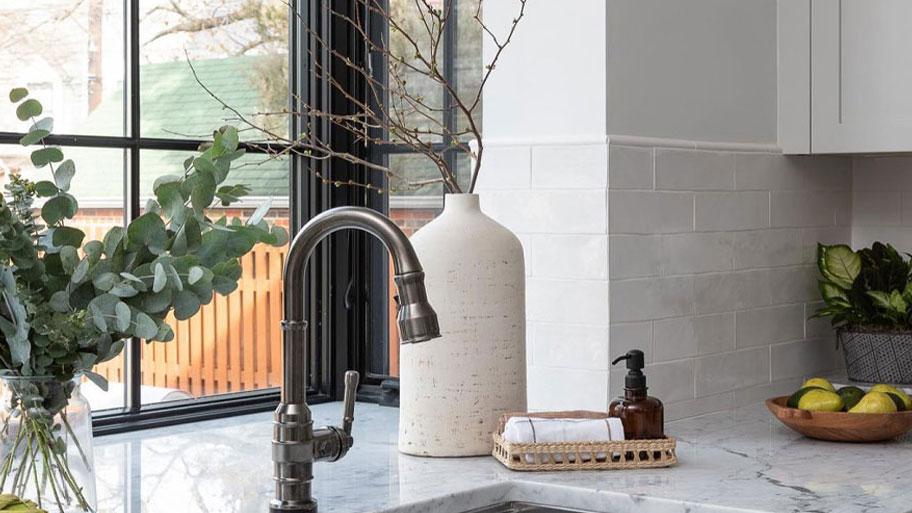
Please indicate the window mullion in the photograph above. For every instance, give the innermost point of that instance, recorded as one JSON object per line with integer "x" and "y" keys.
{"x": 133, "y": 375}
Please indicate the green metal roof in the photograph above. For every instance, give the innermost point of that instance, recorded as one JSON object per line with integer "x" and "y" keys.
{"x": 173, "y": 103}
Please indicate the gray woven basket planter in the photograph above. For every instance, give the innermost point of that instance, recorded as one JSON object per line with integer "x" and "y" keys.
{"x": 877, "y": 356}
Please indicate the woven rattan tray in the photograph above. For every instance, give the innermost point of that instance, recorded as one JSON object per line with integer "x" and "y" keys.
{"x": 623, "y": 454}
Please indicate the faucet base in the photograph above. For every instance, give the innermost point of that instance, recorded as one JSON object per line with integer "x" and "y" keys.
{"x": 308, "y": 507}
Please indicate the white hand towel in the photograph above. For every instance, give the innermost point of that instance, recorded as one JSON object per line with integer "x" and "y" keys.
{"x": 538, "y": 430}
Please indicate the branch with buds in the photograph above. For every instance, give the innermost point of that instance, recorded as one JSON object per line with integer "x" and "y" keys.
{"x": 391, "y": 112}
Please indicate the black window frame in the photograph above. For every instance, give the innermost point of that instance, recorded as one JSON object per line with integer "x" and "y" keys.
{"x": 330, "y": 268}
{"x": 372, "y": 351}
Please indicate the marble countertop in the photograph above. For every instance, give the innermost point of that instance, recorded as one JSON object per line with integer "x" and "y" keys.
{"x": 741, "y": 460}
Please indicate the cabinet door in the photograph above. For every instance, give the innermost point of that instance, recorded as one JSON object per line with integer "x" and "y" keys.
{"x": 861, "y": 76}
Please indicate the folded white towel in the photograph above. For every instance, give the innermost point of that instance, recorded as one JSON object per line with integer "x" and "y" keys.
{"x": 538, "y": 430}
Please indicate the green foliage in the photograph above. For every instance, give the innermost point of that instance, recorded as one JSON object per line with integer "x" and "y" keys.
{"x": 869, "y": 288}
{"x": 67, "y": 306}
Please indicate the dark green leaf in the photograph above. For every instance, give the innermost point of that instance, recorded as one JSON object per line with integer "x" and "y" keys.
{"x": 145, "y": 327}
{"x": 186, "y": 304}
{"x": 59, "y": 208}
{"x": 46, "y": 188}
{"x": 147, "y": 231}
{"x": 33, "y": 137}
{"x": 30, "y": 108}
{"x": 69, "y": 258}
{"x": 45, "y": 156}
{"x": 112, "y": 239}
{"x": 99, "y": 380}
{"x": 165, "y": 333}
{"x": 17, "y": 93}
{"x": 67, "y": 236}
{"x": 60, "y": 301}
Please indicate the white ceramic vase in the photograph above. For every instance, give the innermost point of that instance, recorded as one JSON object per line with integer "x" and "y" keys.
{"x": 454, "y": 388}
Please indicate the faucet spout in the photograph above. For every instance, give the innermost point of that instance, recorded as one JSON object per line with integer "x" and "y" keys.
{"x": 296, "y": 444}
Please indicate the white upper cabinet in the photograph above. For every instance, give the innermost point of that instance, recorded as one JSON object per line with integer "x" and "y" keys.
{"x": 845, "y": 76}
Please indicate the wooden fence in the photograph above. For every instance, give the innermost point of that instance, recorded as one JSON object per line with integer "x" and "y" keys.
{"x": 232, "y": 344}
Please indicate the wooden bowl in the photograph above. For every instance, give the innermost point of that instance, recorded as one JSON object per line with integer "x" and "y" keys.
{"x": 841, "y": 426}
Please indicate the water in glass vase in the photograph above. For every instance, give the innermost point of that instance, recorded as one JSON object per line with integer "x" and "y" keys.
{"x": 46, "y": 442}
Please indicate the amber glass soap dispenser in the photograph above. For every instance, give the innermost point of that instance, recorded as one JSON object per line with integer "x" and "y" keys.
{"x": 643, "y": 416}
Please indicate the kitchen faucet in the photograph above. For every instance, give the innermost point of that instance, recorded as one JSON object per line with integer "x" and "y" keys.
{"x": 296, "y": 445}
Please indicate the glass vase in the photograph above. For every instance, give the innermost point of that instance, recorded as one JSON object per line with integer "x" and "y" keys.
{"x": 46, "y": 443}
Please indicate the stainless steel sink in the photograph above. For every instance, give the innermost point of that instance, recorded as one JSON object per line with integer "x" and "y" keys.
{"x": 523, "y": 507}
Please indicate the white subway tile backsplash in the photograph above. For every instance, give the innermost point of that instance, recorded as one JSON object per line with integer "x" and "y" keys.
{"x": 759, "y": 171}
{"x": 690, "y": 253}
{"x": 727, "y": 292}
{"x": 804, "y": 358}
{"x": 567, "y": 301}
{"x": 505, "y": 167}
{"x": 572, "y": 346}
{"x": 669, "y": 381}
{"x": 797, "y": 209}
{"x": 557, "y": 389}
{"x": 686, "y": 337}
{"x": 877, "y": 208}
{"x": 647, "y": 212}
{"x": 547, "y": 210}
{"x": 699, "y": 406}
{"x": 651, "y": 298}
{"x": 716, "y": 211}
{"x": 828, "y": 235}
{"x": 630, "y": 167}
{"x": 625, "y": 336}
{"x": 694, "y": 170}
{"x": 765, "y": 326}
{"x": 634, "y": 256}
{"x": 569, "y": 256}
{"x": 793, "y": 284}
{"x": 731, "y": 371}
{"x": 882, "y": 174}
{"x": 570, "y": 167}
{"x": 766, "y": 248}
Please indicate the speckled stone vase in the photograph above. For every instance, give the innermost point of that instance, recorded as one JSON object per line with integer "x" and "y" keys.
{"x": 453, "y": 389}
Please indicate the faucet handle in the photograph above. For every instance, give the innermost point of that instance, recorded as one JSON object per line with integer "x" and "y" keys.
{"x": 348, "y": 401}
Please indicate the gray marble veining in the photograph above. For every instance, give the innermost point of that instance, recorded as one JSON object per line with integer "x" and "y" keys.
{"x": 742, "y": 460}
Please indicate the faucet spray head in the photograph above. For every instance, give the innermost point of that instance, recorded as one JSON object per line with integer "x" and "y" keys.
{"x": 417, "y": 319}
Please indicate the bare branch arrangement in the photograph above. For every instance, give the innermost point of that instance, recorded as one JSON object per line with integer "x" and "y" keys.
{"x": 396, "y": 111}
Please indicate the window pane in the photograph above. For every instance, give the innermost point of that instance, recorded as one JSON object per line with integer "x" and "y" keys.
{"x": 407, "y": 15}
{"x": 233, "y": 343}
{"x": 98, "y": 186}
{"x": 70, "y": 54}
{"x": 469, "y": 60}
{"x": 239, "y": 51}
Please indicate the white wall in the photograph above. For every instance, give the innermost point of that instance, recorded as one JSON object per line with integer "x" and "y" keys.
{"x": 682, "y": 232}
{"x": 698, "y": 69}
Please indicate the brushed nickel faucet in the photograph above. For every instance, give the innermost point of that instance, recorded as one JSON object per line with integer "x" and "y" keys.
{"x": 296, "y": 445}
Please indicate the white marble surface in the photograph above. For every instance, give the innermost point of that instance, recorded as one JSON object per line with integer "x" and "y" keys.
{"x": 742, "y": 460}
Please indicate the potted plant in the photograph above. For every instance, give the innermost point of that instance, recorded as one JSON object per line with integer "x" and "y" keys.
{"x": 67, "y": 304}
{"x": 868, "y": 297}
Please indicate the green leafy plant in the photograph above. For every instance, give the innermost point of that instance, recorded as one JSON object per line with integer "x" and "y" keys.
{"x": 68, "y": 304}
{"x": 867, "y": 289}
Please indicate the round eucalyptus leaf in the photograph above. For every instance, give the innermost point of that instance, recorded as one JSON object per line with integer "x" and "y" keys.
{"x": 196, "y": 274}
{"x": 33, "y": 137}
{"x": 122, "y": 313}
{"x": 30, "y": 108}
{"x": 79, "y": 273}
{"x": 160, "y": 278}
{"x": 145, "y": 327}
{"x": 105, "y": 281}
{"x": 45, "y": 156}
{"x": 59, "y": 208}
{"x": 186, "y": 304}
{"x": 46, "y": 188}
{"x": 63, "y": 175}
{"x": 69, "y": 258}
{"x": 16, "y": 94}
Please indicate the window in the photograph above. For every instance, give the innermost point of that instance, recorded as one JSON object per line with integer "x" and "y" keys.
{"x": 411, "y": 207}
{"x": 120, "y": 79}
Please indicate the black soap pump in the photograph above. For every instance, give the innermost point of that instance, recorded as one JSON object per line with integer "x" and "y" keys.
{"x": 643, "y": 416}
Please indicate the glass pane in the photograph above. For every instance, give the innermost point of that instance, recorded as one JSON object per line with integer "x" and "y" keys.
{"x": 70, "y": 54}
{"x": 239, "y": 51}
{"x": 407, "y": 15}
{"x": 469, "y": 60}
{"x": 98, "y": 186}
{"x": 234, "y": 343}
